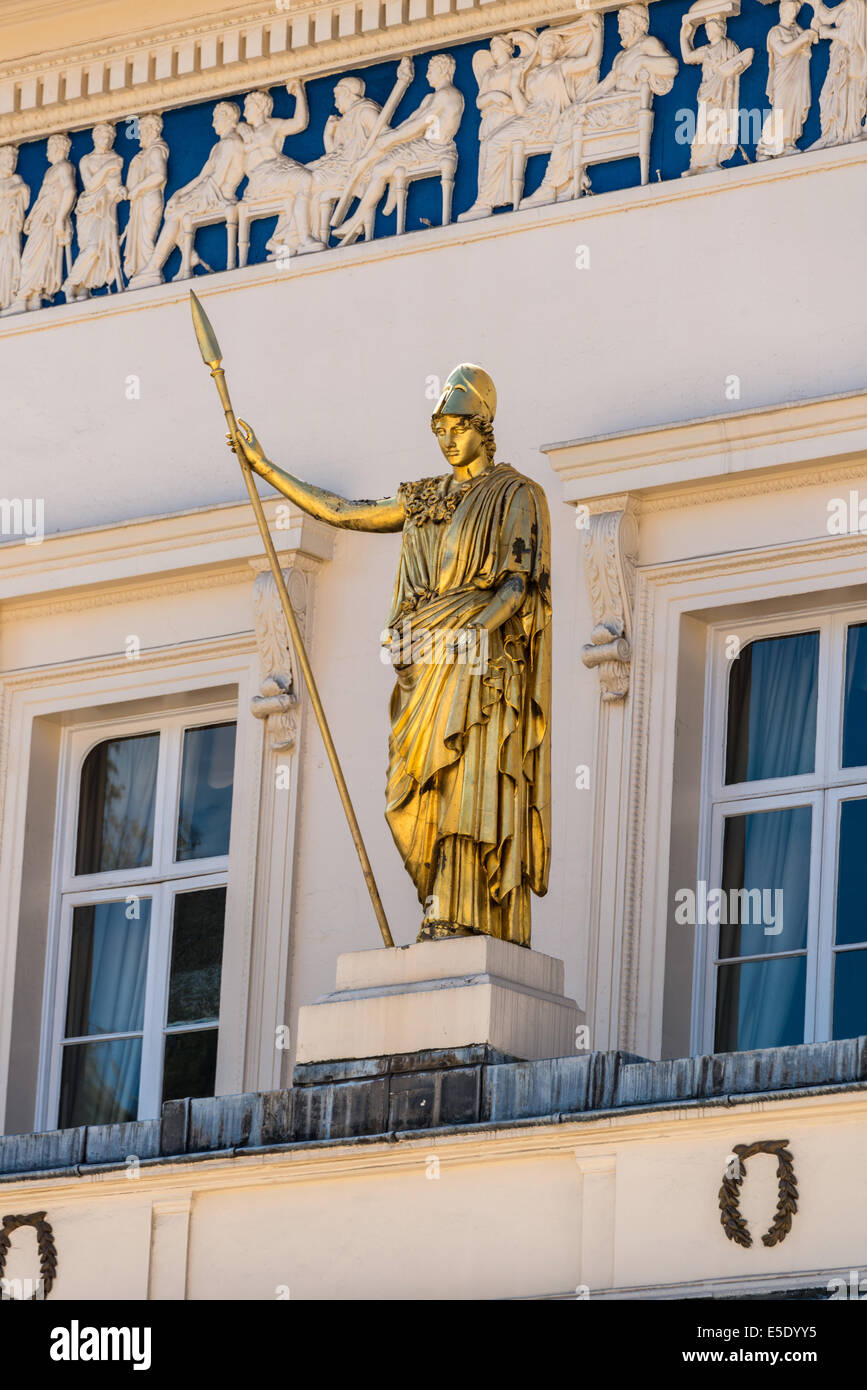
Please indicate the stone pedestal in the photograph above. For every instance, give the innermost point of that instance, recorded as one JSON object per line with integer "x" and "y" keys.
{"x": 441, "y": 995}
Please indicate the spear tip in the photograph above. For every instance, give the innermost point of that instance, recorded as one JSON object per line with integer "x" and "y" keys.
{"x": 205, "y": 335}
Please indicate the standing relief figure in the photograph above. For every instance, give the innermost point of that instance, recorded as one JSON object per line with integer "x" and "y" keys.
{"x": 207, "y": 195}
{"x": 721, "y": 62}
{"x": 48, "y": 229}
{"x": 98, "y": 259}
{"x": 414, "y": 145}
{"x": 562, "y": 69}
{"x": 346, "y": 138}
{"x": 789, "y": 52}
{"x": 495, "y": 69}
{"x": 843, "y": 99}
{"x": 145, "y": 182}
{"x": 643, "y": 59}
{"x": 14, "y": 197}
{"x": 273, "y": 176}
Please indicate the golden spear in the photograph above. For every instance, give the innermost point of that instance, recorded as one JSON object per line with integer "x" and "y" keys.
{"x": 212, "y": 357}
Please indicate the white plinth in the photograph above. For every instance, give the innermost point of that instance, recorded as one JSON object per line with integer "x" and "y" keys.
{"x": 442, "y": 994}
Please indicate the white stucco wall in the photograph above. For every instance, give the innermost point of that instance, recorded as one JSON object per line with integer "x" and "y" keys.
{"x": 330, "y": 359}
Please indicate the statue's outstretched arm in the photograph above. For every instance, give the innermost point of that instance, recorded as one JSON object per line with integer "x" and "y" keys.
{"x": 386, "y": 514}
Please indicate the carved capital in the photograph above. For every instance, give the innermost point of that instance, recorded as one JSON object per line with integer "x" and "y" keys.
{"x": 277, "y": 700}
{"x": 610, "y": 550}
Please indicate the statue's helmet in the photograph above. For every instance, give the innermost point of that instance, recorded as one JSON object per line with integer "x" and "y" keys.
{"x": 468, "y": 391}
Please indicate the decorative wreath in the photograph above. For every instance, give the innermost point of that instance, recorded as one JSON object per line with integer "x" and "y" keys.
{"x": 45, "y": 1244}
{"x": 733, "y": 1223}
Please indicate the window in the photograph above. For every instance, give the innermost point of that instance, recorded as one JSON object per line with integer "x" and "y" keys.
{"x": 135, "y": 989}
{"x": 782, "y": 895}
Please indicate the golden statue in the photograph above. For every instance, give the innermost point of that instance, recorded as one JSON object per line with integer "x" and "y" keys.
{"x": 468, "y": 795}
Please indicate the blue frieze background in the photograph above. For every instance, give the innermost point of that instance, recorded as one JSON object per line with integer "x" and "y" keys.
{"x": 189, "y": 135}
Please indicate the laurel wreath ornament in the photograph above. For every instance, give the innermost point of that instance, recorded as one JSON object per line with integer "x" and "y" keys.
{"x": 731, "y": 1219}
{"x": 45, "y": 1245}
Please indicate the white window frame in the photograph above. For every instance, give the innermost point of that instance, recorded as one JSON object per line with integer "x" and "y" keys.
{"x": 163, "y": 878}
{"x": 823, "y": 789}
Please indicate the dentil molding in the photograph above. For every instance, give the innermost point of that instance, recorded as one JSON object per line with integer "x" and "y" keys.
{"x": 148, "y": 70}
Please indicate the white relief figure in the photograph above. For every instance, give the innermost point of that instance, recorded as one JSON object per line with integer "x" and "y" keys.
{"x": 413, "y": 146}
{"x": 721, "y": 63}
{"x": 145, "y": 182}
{"x": 495, "y": 68}
{"x": 272, "y": 177}
{"x": 98, "y": 259}
{"x": 843, "y": 99}
{"x": 642, "y": 60}
{"x": 209, "y": 197}
{"x": 789, "y": 52}
{"x": 562, "y": 70}
{"x": 48, "y": 229}
{"x": 346, "y": 138}
{"x": 14, "y": 197}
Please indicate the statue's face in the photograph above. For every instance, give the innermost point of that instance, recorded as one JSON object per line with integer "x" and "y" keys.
{"x": 789, "y": 11}
{"x": 149, "y": 131}
{"x": 223, "y": 121}
{"x": 103, "y": 138}
{"x": 716, "y": 30}
{"x": 549, "y": 47}
{"x": 8, "y": 160}
{"x": 57, "y": 149}
{"x": 254, "y": 109}
{"x": 343, "y": 97}
{"x": 501, "y": 50}
{"x": 459, "y": 439}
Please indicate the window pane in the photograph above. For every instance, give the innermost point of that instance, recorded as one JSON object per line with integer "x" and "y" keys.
{"x": 191, "y": 1064}
{"x": 850, "y": 994}
{"x": 852, "y": 873}
{"x": 99, "y": 1083}
{"x": 760, "y": 1004}
{"x": 116, "y": 805}
{"x": 855, "y": 699}
{"x": 766, "y": 853}
{"x": 197, "y": 956}
{"x": 772, "y": 709}
{"x": 107, "y": 968}
{"x": 206, "y": 792}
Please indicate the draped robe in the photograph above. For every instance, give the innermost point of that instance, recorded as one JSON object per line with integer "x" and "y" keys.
{"x": 468, "y": 795}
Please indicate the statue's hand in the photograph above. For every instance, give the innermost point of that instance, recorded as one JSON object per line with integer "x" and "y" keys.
{"x": 245, "y": 444}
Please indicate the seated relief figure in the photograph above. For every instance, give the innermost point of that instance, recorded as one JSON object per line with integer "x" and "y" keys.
{"x": 718, "y": 118}
{"x": 209, "y": 195}
{"x": 642, "y": 59}
{"x": 562, "y": 68}
{"x": 98, "y": 259}
{"x": 843, "y": 98}
{"x": 790, "y": 49}
{"x": 14, "y": 197}
{"x": 346, "y": 138}
{"x": 145, "y": 183}
{"x": 468, "y": 791}
{"x": 48, "y": 229}
{"x": 272, "y": 176}
{"x": 414, "y": 145}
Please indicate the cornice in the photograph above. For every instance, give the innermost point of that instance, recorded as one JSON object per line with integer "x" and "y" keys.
{"x": 149, "y": 557}
{"x": 576, "y": 1137}
{"x": 740, "y": 454}
{"x": 152, "y": 70}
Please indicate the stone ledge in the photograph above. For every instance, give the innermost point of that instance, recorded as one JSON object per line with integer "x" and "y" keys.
{"x": 426, "y": 1090}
